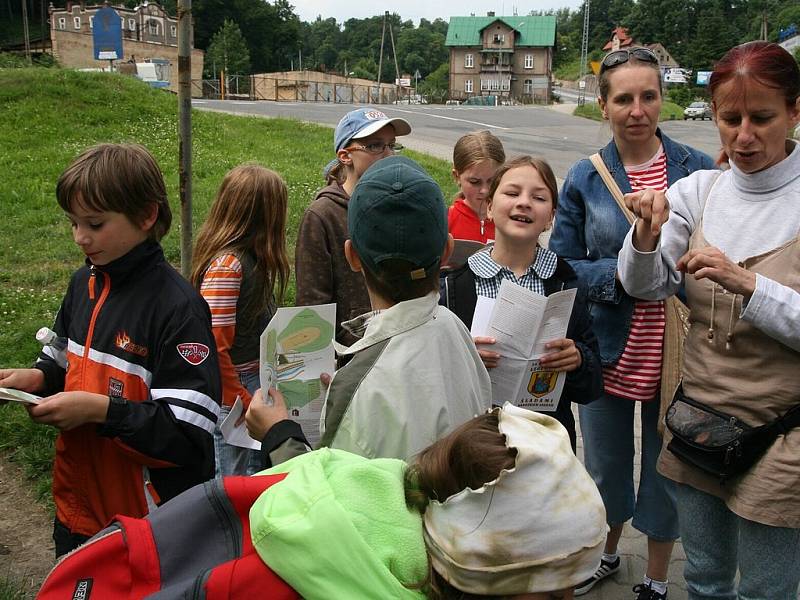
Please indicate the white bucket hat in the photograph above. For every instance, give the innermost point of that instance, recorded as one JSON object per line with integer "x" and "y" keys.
{"x": 538, "y": 527}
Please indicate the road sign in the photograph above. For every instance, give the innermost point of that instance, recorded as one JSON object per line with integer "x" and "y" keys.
{"x": 107, "y": 34}
{"x": 416, "y": 74}
{"x": 403, "y": 82}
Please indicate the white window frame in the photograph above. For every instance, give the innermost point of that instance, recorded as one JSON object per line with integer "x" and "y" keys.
{"x": 529, "y": 61}
{"x": 527, "y": 87}
{"x": 499, "y": 38}
{"x": 468, "y": 86}
{"x": 173, "y": 31}
{"x": 76, "y": 22}
{"x": 62, "y": 23}
{"x": 150, "y": 28}
{"x": 132, "y": 24}
{"x": 469, "y": 61}
{"x": 91, "y": 22}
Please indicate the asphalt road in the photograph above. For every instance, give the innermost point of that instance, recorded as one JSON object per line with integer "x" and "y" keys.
{"x": 546, "y": 131}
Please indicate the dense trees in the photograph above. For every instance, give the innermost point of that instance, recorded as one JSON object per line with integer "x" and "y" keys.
{"x": 696, "y": 33}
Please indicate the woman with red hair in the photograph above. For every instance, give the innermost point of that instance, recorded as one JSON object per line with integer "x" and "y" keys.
{"x": 732, "y": 238}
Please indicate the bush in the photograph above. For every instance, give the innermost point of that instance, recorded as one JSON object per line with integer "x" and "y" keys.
{"x": 684, "y": 95}
{"x": 16, "y": 61}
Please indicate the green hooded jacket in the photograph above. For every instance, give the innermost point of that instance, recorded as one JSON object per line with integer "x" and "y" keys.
{"x": 338, "y": 527}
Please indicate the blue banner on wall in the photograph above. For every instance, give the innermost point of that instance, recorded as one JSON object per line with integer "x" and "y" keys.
{"x": 107, "y": 34}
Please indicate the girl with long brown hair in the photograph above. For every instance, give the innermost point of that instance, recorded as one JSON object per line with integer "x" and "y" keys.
{"x": 239, "y": 262}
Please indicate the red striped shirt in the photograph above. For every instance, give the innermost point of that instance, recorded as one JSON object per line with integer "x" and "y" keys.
{"x": 637, "y": 373}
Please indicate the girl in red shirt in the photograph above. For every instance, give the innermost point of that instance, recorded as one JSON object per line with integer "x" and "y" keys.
{"x": 476, "y": 157}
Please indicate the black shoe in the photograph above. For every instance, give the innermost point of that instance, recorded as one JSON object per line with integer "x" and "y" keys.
{"x": 645, "y": 592}
{"x": 604, "y": 570}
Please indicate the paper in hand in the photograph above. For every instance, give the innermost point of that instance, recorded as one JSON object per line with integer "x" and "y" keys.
{"x": 19, "y": 396}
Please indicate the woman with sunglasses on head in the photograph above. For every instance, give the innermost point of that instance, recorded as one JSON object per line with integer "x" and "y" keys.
{"x": 732, "y": 238}
{"x": 588, "y": 233}
{"x": 362, "y": 137}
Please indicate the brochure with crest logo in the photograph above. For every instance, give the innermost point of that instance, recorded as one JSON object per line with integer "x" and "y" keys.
{"x": 522, "y": 322}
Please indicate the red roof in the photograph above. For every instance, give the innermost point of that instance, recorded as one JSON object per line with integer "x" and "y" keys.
{"x": 624, "y": 38}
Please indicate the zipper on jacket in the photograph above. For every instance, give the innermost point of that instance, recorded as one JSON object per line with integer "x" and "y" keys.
{"x": 92, "y": 279}
{"x": 95, "y": 311}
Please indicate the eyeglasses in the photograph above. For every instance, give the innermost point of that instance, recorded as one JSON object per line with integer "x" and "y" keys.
{"x": 377, "y": 147}
{"x": 618, "y": 57}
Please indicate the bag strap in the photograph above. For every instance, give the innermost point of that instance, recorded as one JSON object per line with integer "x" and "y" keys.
{"x": 612, "y": 186}
{"x": 789, "y": 420}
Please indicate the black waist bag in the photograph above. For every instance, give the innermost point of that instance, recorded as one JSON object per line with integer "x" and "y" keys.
{"x": 720, "y": 444}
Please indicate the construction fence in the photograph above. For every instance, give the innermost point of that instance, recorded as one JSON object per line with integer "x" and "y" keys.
{"x": 292, "y": 89}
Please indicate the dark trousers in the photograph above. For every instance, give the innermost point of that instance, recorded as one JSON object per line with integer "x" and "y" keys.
{"x": 66, "y": 541}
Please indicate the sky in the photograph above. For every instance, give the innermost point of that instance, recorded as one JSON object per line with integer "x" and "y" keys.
{"x": 342, "y": 10}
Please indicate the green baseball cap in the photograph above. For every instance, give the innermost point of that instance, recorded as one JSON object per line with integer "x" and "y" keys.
{"x": 397, "y": 212}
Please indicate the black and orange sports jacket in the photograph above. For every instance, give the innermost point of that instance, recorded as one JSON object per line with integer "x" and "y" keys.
{"x": 139, "y": 333}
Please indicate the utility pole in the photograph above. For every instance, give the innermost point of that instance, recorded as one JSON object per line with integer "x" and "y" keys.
{"x": 185, "y": 131}
{"x": 584, "y": 57}
{"x": 380, "y": 58}
{"x": 396, "y": 67}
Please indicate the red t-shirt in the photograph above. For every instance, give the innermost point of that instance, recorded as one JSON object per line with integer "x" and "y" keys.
{"x": 464, "y": 224}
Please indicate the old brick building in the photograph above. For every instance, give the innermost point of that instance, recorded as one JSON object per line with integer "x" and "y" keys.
{"x": 510, "y": 57}
{"x": 148, "y": 33}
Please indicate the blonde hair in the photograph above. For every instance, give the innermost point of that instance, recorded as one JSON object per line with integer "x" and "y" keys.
{"x": 122, "y": 178}
{"x": 248, "y": 215}
{"x": 476, "y": 147}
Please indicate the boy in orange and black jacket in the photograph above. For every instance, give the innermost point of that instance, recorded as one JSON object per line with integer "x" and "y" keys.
{"x": 139, "y": 398}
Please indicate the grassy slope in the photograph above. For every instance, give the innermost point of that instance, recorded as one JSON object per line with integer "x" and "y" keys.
{"x": 48, "y": 117}
{"x": 590, "y": 110}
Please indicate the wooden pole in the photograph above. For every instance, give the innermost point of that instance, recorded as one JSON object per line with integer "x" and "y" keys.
{"x": 185, "y": 131}
{"x": 380, "y": 58}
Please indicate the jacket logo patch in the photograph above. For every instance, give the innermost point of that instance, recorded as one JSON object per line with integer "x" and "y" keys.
{"x": 83, "y": 589}
{"x": 115, "y": 387}
{"x": 193, "y": 352}
{"x": 124, "y": 342}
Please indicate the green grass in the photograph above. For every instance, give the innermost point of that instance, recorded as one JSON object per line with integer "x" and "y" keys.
{"x": 570, "y": 70}
{"x": 590, "y": 110}
{"x": 11, "y": 589}
{"x": 51, "y": 115}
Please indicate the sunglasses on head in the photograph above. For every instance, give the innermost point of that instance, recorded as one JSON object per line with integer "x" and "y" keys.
{"x": 618, "y": 57}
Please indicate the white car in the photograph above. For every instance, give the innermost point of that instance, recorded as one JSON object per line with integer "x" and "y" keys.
{"x": 697, "y": 110}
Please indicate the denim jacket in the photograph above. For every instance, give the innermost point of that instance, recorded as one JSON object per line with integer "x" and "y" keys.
{"x": 589, "y": 231}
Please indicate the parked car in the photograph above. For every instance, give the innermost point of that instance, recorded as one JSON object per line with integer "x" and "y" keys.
{"x": 697, "y": 110}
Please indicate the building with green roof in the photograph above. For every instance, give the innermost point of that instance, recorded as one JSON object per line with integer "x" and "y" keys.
{"x": 510, "y": 57}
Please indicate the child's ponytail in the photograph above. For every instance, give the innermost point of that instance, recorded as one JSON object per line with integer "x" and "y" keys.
{"x": 469, "y": 457}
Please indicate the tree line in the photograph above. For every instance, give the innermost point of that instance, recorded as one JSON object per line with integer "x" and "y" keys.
{"x": 256, "y": 36}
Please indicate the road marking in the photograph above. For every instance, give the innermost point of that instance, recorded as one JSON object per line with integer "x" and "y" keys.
{"x": 414, "y": 112}
{"x": 199, "y": 102}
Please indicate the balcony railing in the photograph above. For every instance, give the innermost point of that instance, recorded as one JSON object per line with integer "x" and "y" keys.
{"x": 495, "y": 68}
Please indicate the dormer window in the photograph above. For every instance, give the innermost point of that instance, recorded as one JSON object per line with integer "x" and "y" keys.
{"x": 499, "y": 38}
